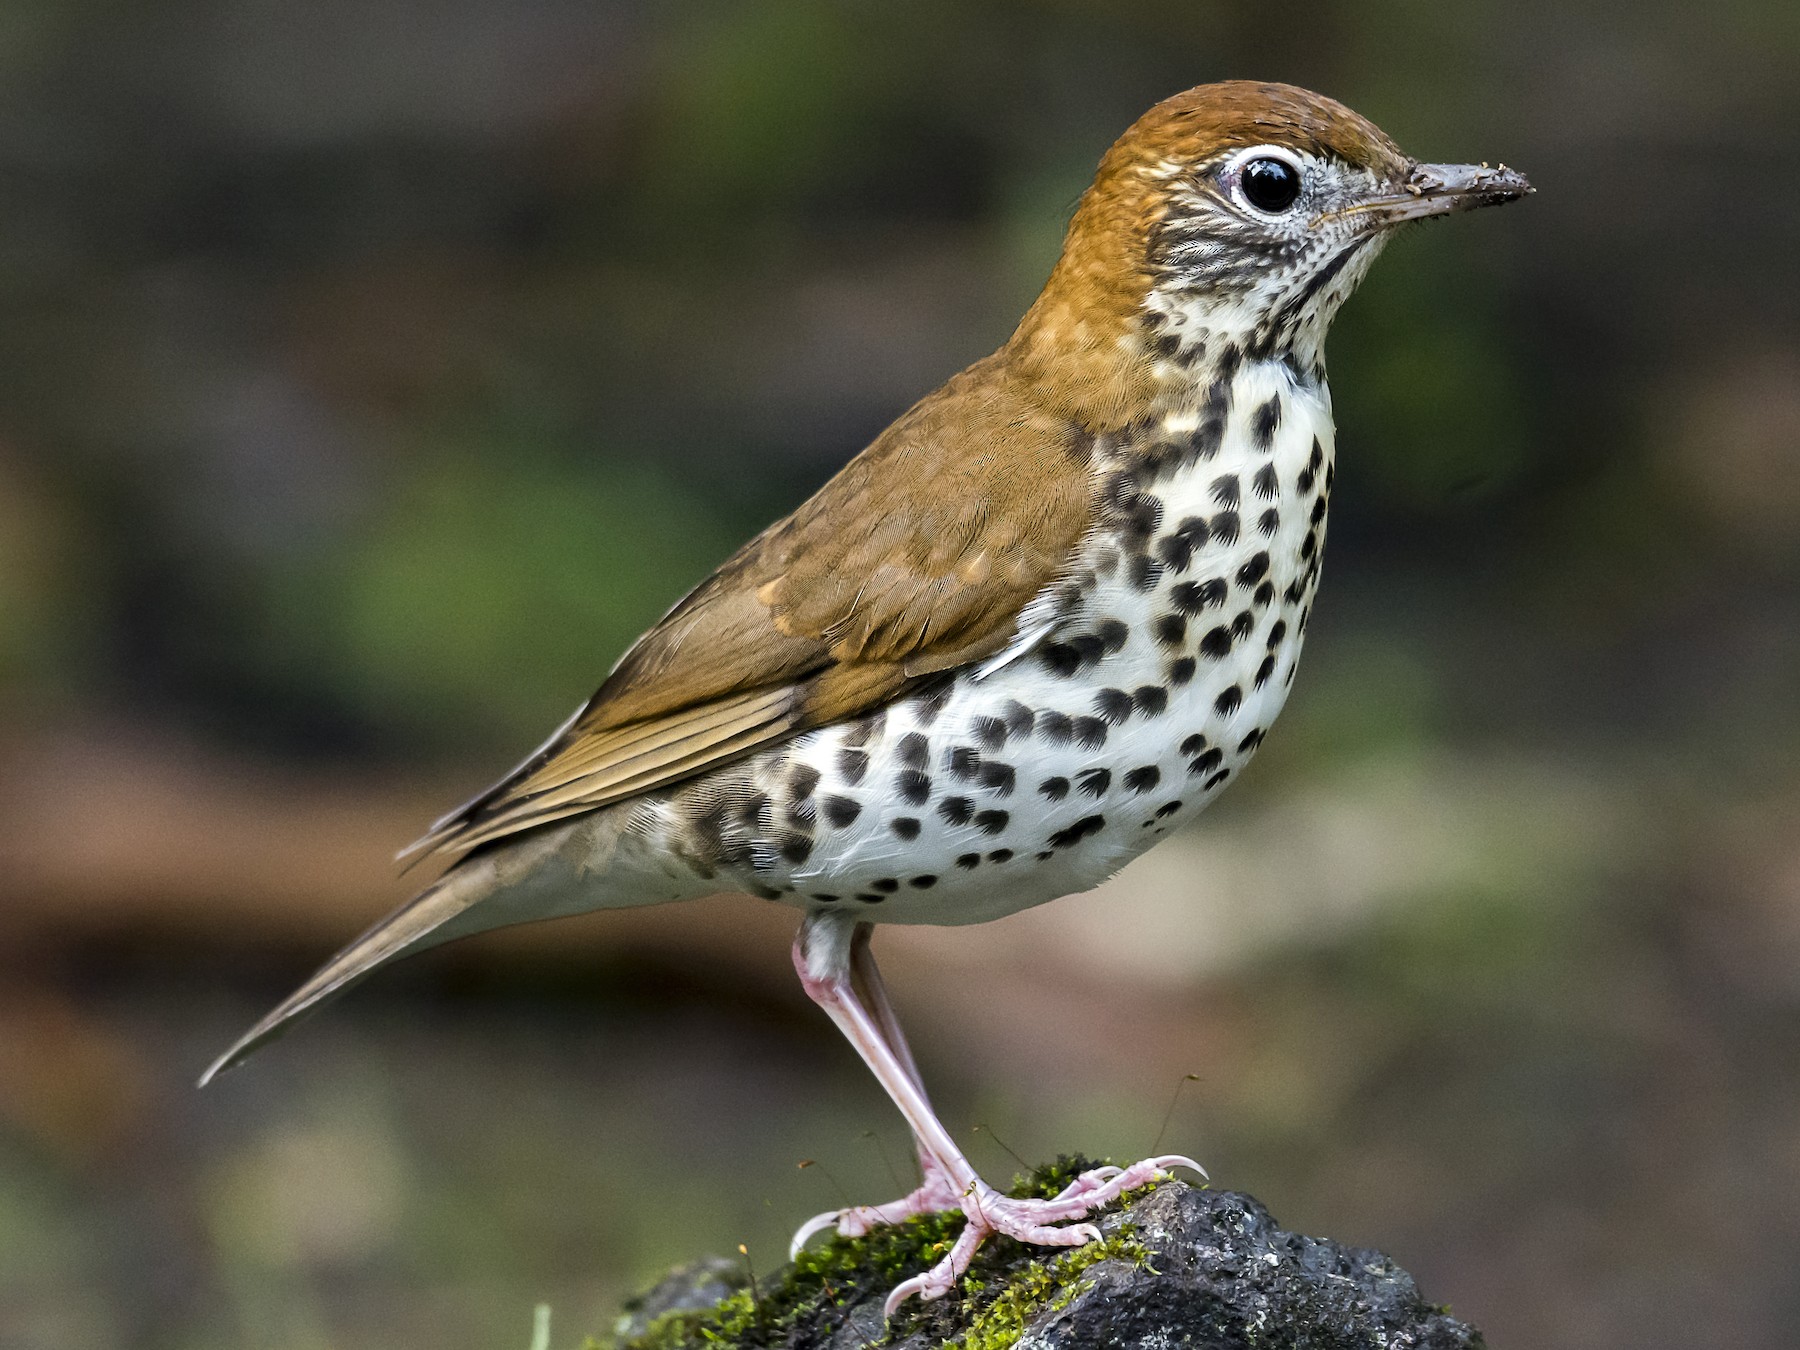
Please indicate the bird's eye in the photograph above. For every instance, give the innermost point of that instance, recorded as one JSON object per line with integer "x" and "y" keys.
{"x": 1270, "y": 184}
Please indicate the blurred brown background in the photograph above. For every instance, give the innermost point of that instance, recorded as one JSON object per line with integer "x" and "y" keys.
{"x": 371, "y": 371}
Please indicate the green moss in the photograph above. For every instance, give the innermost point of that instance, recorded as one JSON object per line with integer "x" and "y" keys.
{"x": 1045, "y": 1286}
{"x": 1007, "y": 1285}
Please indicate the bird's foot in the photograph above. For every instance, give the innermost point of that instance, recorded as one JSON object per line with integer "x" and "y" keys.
{"x": 1040, "y": 1222}
{"x": 936, "y": 1194}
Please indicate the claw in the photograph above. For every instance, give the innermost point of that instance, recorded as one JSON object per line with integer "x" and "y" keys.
{"x": 933, "y": 1196}
{"x": 817, "y": 1224}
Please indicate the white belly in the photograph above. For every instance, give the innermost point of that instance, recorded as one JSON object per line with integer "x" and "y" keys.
{"x": 1165, "y": 667}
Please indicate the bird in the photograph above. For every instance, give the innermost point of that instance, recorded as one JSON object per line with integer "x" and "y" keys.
{"x": 1042, "y": 620}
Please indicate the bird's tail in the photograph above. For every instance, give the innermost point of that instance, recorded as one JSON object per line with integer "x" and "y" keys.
{"x": 563, "y": 870}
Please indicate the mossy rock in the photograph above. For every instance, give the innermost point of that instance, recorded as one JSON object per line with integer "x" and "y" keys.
{"x": 1177, "y": 1266}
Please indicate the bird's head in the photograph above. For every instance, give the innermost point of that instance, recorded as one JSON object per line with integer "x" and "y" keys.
{"x": 1236, "y": 217}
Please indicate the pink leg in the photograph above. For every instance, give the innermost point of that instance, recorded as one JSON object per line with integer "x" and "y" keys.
{"x": 830, "y": 951}
{"x": 936, "y": 1192}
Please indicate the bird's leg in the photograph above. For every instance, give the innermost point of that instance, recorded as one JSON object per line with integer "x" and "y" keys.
{"x": 830, "y": 952}
{"x": 936, "y": 1191}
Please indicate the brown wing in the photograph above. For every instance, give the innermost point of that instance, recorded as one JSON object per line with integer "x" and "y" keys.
{"x": 914, "y": 559}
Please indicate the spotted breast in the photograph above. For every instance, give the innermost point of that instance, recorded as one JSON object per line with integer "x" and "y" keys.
{"x": 1141, "y": 681}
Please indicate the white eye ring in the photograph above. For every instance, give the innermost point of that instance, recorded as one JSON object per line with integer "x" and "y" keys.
{"x": 1231, "y": 176}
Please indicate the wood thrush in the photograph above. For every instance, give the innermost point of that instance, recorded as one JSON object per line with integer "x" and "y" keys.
{"x": 1038, "y": 623}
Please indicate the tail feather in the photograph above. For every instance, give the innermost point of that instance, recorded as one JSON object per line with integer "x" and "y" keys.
{"x": 403, "y": 930}
{"x": 592, "y": 864}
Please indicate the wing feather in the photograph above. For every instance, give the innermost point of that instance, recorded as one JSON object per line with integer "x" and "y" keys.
{"x": 915, "y": 559}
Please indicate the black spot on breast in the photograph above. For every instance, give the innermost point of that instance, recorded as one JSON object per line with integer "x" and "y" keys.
{"x": 870, "y": 898}
{"x": 865, "y": 730}
{"x": 886, "y": 885}
{"x": 924, "y": 883}
{"x": 1177, "y": 549}
{"x": 1266, "y": 669}
{"x": 1191, "y": 597}
{"x": 1112, "y": 633}
{"x": 821, "y": 895}
{"x": 765, "y": 892}
{"x": 1094, "y": 782}
{"x": 1277, "y": 633}
{"x": 1059, "y": 658}
{"x": 1229, "y": 701}
{"x": 1207, "y": 763}
{"x": 1243, "y": 625}
{"x": 907, "y": 827}
{"x": 963, "y": 761}
{"x": 1267, "y": 483}
{"x": 1318, "y": 510}
{"x": 1167, "y": 809}
{"x": 755, "y": 810}
{"x": 1181, "y": 670}
{"x": 1264, "y": 595}
{"x": 1080, "y": 830}
{"x": 1309, "y": 544}
{"x": 1090, "y": 732}
{"x": 1264, "y": 421}
{"x": 1055, "y": 727}
{"x": 968, "y": 860}
{"x": 933, "y": 701}
{"x": 1170, "y": 630}
{"x": 913, "y": 750}
{"x": 802, "y": 781}
{"x": 1225, "y": 527}
{"x": 1268, "y": 522}
{"x": 852, "y": 765}
{"x": 1113, "y": 704}
{"x": 1150, "y": 699}
{"x": 1194, "y": 744}
{"x": 914, "y": 787}
{"x": 991, "y": 822}
{"x": 1250, "y": 742}
{"x": 1054, "y": 788}
{"x": 997, "y": 778}
{"x": 796, "y": 848}
{"x": 1314, "y": 460}
{"x": 1142, "y": 779}
{"x": 1217, "y": 643}
{"x": 1225, "y": 490}
{"x": 1140, "y": 512}
{"x": 840, "y": 811}
{"x": 1000, "y": 855}
{"x": 1019, "y": 718}
{"x": 1088, "y": 647}
{"x": 991, "y": 732}
{"x": 929, "y": 705}
{"x": 1144, "y": 572}
{"x": 1254, "y": 570}
{"x": 1215, "y": 780}
{"x": 956, "y": 810}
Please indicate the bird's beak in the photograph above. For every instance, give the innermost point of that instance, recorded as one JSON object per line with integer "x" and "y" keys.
{"x": 1439, "y": 189}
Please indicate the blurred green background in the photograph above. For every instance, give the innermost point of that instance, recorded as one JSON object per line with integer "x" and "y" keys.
{"x": 372, "y": 371}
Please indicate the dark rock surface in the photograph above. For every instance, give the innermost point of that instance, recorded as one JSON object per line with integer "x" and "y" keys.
{"x": 1180, "y": 1267}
